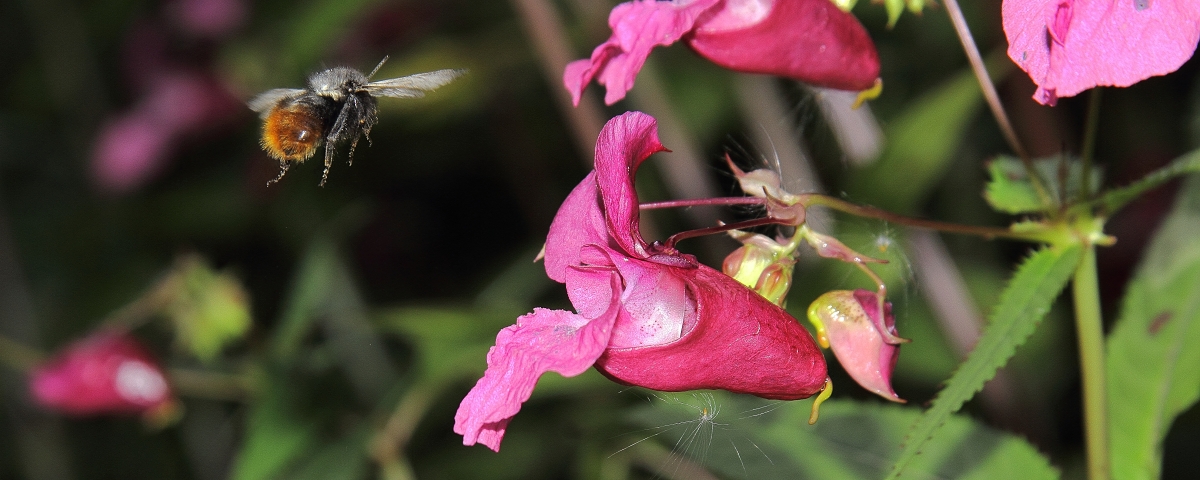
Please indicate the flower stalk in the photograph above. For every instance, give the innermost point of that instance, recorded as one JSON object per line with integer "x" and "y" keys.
{"x": 1090, "y": 330}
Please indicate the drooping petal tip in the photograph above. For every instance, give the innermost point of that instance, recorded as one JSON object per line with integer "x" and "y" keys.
{"x": 540, "y": 342}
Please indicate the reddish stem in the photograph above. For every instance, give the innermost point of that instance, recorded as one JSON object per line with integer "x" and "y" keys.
{"x": 673, "y": 239}
{"x": 702, "y": 201}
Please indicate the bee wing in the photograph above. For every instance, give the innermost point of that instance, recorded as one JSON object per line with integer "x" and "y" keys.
{"x": 263, "y": 102}
{"x": 413, "y": 85}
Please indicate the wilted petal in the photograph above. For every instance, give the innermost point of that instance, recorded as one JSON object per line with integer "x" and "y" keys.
{"x": 542, "y": 341}
{"x": 1069, "y": 46}
{"x": 851, "y": 324}
{"x": 807, "y": 40}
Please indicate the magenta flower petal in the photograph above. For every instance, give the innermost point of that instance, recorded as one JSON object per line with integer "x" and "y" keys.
{"x": 860, "y": 337}
{"x": 542, "y": 341}
{"x": 638, "y": 27}
{"x": 577, "y": 223}
{"x": 807, "y": 40}
{"x": 1069, "y": 46}
{"x": 740, "y": 342}
{"x": 624, "y": 143}
{"x": 107, "y": 373}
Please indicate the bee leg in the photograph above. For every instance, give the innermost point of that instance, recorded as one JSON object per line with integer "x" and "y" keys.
{"x": 283, "y": 168}
{"x": 350, "y": 157}
{"x": 328, "y": 163}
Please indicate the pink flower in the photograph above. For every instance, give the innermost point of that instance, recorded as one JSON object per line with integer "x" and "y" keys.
{"x": 808, "y": 40}
{"x": 134, "y": 146}
{"x": 864, "y": 342}
{"x": 106, "y": 373}
{"x": 1069, "y": 46}
{"x": 646, "y": 315}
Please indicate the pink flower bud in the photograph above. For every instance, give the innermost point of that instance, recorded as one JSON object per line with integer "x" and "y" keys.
{"x": 762, "y": 264}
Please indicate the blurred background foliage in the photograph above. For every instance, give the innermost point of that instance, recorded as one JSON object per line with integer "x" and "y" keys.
{"x": 331, "y": 332}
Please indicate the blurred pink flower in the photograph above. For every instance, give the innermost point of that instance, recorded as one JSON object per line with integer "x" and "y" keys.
{"x": 864, "y": 342}
{"x": 646, "y": 315}
{"x": 134, "y": 146}
{"x": 1068, "y": 46}
{"x": 807, "y": 40}
{"x": 209, "y": 18}
{"x": 106, "y": 373}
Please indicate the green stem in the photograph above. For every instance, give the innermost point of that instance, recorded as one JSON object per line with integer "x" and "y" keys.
{"x": 993, "y": 99}
{"x": 1090, "y": 328}
{"x": 813, "y": 199}
{"x": 1088, "y": 152}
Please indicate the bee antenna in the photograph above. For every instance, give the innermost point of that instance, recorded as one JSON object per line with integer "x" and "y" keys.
{"x": 381, "y": 62}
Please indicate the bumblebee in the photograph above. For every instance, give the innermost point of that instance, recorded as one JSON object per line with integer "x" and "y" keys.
{"x": 338, "y": 105}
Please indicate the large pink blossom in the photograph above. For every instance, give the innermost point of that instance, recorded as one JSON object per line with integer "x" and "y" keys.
{"x": 1068, "y": 46}
{"x": 106, "y": 373}
{"x": 808, "y": 40}
{"x": 645, "y": 315}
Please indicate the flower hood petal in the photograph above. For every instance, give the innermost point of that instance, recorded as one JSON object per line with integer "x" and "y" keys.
{"x": 739, "y": 342}
{"x": 625, "y": 142}
{"x": 807, "y": 40}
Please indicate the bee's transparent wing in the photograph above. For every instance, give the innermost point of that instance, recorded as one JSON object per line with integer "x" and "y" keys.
{"x": 263, "y": 102}
{"x": 413, "y": 85}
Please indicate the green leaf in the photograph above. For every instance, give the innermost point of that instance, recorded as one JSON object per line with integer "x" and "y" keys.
{"x": 1118, "y": 197}
{"x": 739, "y": 436}
{"x": 1154, "y": 351}
{"x": 345, "y": 459}
{"x": 277, "y": 435}
{"x": 1010, "y": 190}
{"x": 450, "y": 342}
{"x": 1024, "y": 303}
{"x": 308, "y": 292}
{"x": 914, "y": 160}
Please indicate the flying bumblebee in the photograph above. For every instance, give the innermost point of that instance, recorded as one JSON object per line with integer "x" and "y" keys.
{"x": 338, "y": 105}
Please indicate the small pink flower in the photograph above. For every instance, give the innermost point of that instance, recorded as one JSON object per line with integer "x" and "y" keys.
{"x": 106, "y": 373}
{"x": 808, "y": 40}
{"x": 646, "y": 315}
{"x": 1068, "y": 46}
{"x": 864, "y": 342}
